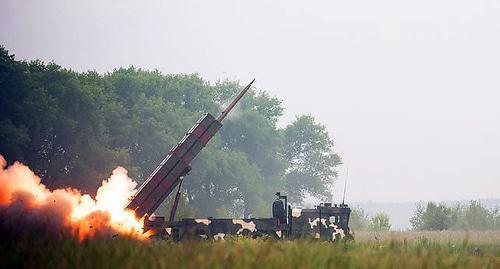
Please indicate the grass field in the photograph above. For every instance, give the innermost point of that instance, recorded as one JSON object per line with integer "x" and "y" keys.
{"x": 476, "y": 237}
{"x": 396, "y": 250}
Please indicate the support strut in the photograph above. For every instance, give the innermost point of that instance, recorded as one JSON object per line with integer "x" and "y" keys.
{"x": 176, "y": 201}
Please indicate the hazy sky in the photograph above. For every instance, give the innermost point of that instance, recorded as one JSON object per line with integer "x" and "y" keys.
{"x": 409, "y": 90}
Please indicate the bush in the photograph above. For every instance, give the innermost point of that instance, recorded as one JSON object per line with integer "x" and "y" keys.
{"x": 359, "y": 220}
{"x": 380, "y": 222}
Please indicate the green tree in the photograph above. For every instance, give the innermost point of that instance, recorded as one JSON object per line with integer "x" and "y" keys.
{"x": 432, "y": 217}
{"x": 380, "y": 222}
{"x": 252, "y": 130}
{"x": 496, "y": 217}
{"x": 308, "y": 149}
{"x": 475, "y": 216}
{"x": 53, "y": 121}
{"x": 14, "y": 85}
{"x": 359, "y": 220}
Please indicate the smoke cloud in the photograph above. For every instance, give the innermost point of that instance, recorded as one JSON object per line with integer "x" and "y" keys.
{"x": 28, "y": 207}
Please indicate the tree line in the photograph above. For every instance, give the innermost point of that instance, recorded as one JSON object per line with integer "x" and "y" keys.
{"x": 72, "y": 128}
{"x": 468, "y": 216}
{"x": 434, "y": 217}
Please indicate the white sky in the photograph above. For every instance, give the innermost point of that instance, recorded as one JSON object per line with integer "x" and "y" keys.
{"x": 408, "y": 89}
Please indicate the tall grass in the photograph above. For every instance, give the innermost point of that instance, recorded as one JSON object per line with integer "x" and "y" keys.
{"x": 246, "y": 253}
{"x": 477, "y": 237}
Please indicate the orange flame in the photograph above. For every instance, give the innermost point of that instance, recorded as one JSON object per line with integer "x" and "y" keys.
{"x": 82, "y": 214}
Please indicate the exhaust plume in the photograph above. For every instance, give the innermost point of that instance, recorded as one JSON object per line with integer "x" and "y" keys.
{"x": 27, "y": 205}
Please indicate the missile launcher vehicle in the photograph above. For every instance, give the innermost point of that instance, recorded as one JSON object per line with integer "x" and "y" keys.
{"x": 325, "y": 221}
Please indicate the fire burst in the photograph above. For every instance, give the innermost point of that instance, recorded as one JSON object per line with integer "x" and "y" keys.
{"x": 84, "y": 216}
